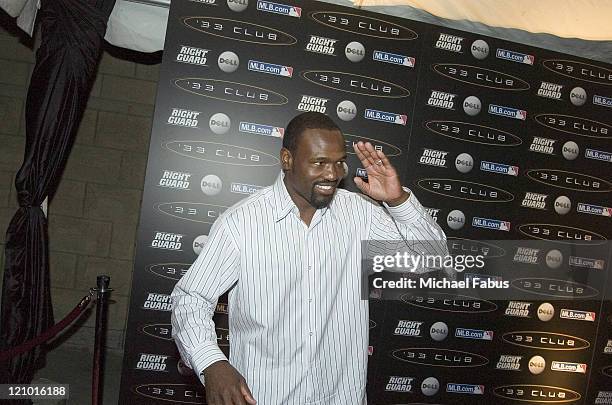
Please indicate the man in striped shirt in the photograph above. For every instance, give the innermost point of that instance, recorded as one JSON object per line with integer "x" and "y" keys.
{"x": 291, "y": 255}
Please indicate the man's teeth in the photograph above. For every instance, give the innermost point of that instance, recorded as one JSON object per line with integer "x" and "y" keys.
{"x": 324, "y": 187}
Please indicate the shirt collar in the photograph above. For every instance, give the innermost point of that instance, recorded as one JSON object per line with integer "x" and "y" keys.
{"x": 283, "y": 204}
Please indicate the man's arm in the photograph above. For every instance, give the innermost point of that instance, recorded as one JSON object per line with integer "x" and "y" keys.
{"x": 195, "y": 297}
{"x": 408, "y": 224}
{"x": 404, "y": 219}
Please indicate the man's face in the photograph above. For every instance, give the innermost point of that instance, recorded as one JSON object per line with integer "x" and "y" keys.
{"x": 315, "y": 169}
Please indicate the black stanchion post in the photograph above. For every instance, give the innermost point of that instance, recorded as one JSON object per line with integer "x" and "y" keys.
{"x": 98, "y": 360}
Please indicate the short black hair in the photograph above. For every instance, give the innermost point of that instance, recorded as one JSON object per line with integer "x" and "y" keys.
{"x": 302, "y": 122}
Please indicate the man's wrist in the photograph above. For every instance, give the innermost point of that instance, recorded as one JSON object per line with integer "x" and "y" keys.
{"x": 400, "y": 200}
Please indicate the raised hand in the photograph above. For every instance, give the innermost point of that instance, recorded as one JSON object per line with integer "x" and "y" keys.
{"x": 383, "y": 182}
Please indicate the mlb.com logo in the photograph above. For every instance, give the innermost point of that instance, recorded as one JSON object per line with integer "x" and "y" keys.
{"x": 260, "y": 129}
{"x": 278, "y": 8}
{"x": 384, "y": 116}
{"x": 507, "y": 112}
{"x": 270, "y": 68}
{"x": 393, "y": 58}
{"x": 499, "y": 168}
{"x": 465, "y": 388}
{"x": 515, "y": 56}
{"x": 494, "y": 224}
{"x": 476, "y": 334}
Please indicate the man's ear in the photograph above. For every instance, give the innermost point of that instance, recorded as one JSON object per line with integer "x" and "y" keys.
{"x": 286, "y": 159}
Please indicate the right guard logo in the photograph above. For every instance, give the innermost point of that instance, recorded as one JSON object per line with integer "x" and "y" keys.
{"x": 449, "y": 42}
{"x": 441, "y": 99}
{"x": 545, "y": 394}
{"x": 433, "y": 157}
{"x": 534, "y": 200}
{"x": 542, "y": 145}
{"x": 550, "y": 90}
{"x": 192, "y": 55}
{"x": 184, "y": 118}
{"x": 322, "y": 45}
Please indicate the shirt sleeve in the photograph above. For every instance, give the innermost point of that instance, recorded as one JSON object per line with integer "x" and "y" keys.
{"x": 195, "y": 297}
{"x": 407, "y": 228}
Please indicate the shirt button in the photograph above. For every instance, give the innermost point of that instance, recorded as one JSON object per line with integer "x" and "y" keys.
{"x": 309, "y": 267}
{"x": 310, "y": 333}
{"x": 309, "y": 299}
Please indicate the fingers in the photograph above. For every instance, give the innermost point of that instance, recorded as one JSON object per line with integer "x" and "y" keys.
{"x": 246, "y": 393}
{"x": 372, "y": 159}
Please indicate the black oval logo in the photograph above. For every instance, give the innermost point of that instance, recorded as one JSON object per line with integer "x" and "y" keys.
{"x": 372, "y": 324}
{"x": 429, "y": 356}
{"x": 464, "y": 131}
{"x": 356, "y": 84}
{"x": 195, "y": 212}
{"x": 474, "y": 247}
{"x": 536, "y": 393}
{"x": 172, "y": 271}
{"x": 449, "y": 303}
{"x": 551, "y": 287}
{"x": 480, "y": 77}
{"x": 239, "y": 30}
{"x": 386, "y": 148}
{"x": 570, "y": 180}
{"x": 158, "y": 330}
{"x": 222, "y": 153}
{"x": 465, "y": 190}
{"x": 230, "y": 91}
{"x": 579, "y": 70}
{"x": 183, "y": 393}
{"x": 362, "y": 25}
{"x": 607, "y": 371}
{"x": 575, "y": 125}
{"x": 561, "y": 234}
{"x": 545, "y": 340}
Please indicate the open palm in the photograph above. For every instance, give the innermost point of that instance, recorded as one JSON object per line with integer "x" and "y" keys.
{"x": 383, "y": 182}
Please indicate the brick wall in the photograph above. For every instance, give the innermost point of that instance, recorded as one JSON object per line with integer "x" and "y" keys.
{"x": 94, "y": 216}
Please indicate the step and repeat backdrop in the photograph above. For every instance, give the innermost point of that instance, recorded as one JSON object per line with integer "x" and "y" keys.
{"x": 508, "y": 146}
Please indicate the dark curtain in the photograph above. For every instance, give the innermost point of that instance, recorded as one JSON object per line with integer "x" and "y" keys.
{"x": 72, "y": 33}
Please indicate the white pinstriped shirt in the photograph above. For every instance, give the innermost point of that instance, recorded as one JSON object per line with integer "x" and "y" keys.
{"x": 298, "y": 325}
